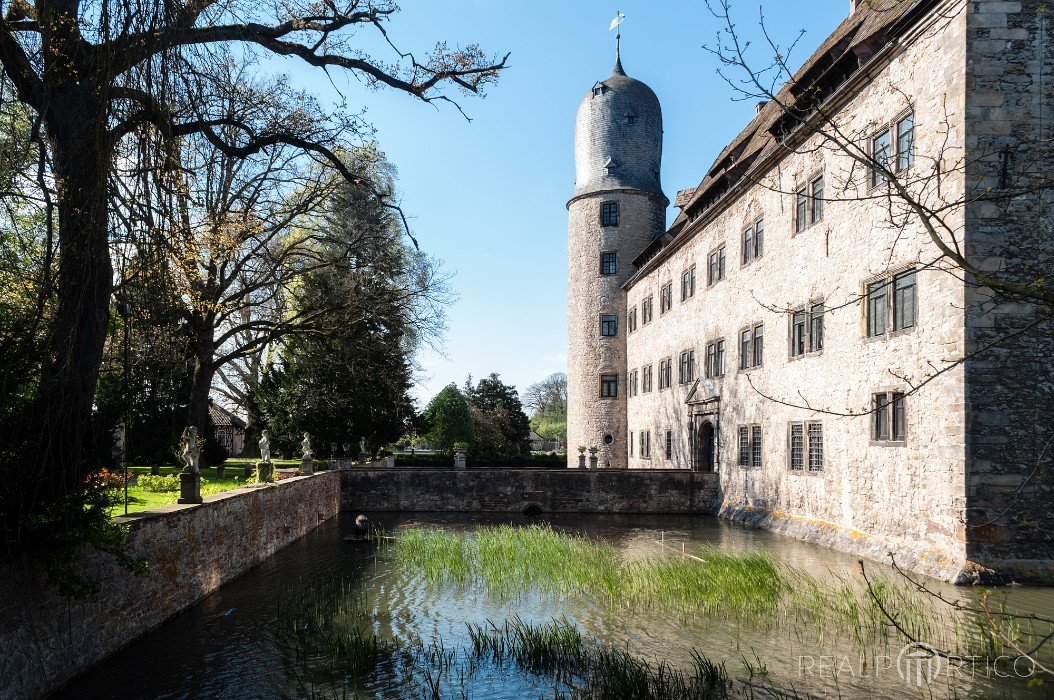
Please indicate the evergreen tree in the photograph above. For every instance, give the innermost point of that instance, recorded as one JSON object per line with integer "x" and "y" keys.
{"x": 502, "y": 427}
{"x": 449, "y": 420}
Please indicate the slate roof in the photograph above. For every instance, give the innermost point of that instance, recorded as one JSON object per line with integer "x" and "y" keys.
{"x": 873, "y": 25}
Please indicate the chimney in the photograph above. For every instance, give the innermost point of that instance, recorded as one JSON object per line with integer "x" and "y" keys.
{"x": 760, "y": 106}
{"x": 683, "y": 197}
{"x": 853, "y": 4}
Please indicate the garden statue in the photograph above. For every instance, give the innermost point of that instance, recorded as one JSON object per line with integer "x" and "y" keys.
{"x": 265, "y": 447}
{"x": 190, "y": 452}
{"x": 306, "y": 460}
{"x": 264, "y": 468}
{"x": 190, "y": 477}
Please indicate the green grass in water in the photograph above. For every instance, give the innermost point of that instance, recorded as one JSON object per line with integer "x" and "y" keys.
{"x": 746, "y": 586}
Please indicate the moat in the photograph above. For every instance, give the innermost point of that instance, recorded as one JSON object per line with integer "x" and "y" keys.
{"x": 234, "y": 642}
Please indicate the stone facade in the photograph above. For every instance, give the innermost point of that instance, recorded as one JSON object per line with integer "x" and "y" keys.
{"x": 192, "y": 550}
{"x": 618, "y": 153}
{"x": 966, "y": 72}
{"x": 1010, "y": 391}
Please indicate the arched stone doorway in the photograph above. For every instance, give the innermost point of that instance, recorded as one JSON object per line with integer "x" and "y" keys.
{"x": 704, "y": 447}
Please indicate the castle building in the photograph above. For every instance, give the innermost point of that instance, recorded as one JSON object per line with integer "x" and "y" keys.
{"x": 796, "y": 330}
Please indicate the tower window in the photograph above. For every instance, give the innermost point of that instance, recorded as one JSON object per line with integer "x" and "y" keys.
{"x": 609, "y": 213}
{"x": 598, "y": 89}
{"x": 608, "y": 324}
{"x": 631, "y": 118}
{"x": 608, "y": 386}
{"x": 608, "y": 262}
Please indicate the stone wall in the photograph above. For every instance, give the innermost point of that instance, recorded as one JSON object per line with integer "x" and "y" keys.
{"x": 552, "y": 491}
{"x": 906, "y": 496}
{"x": 191, "y": 550}
{"x": 1010, "y": 388}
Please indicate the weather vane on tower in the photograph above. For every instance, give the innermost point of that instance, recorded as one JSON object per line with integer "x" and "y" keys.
{"x": 616, "y": 24}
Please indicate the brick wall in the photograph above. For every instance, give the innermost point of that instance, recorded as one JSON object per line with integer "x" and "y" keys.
{"x": 46, "y": 639}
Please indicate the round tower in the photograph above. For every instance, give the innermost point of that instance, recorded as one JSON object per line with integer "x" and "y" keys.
{"x": 618, "y": 207}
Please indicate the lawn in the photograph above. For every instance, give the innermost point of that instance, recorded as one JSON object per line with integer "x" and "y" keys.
{"x": 140, "y": 499}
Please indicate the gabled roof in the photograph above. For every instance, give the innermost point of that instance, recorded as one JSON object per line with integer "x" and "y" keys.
{"x": 862, "y": 34}
{"x": 221, "y": 416}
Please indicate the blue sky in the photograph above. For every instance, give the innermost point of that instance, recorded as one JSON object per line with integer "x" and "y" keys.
{"x": 488, "y": 196}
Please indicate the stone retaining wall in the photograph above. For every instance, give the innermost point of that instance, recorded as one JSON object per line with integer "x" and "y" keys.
{"x": 192, "y": 550}
{"x": 516, "y": 490}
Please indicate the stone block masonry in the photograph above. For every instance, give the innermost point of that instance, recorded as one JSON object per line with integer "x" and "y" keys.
{"x": 46, "y": 639}
{"x": 530, "y": 490}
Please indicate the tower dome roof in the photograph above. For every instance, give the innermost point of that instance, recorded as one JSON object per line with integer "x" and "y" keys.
{"x": 618, "y": 137}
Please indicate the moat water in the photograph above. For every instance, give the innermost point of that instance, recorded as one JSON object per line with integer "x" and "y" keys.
{"x": 226, "y": 646}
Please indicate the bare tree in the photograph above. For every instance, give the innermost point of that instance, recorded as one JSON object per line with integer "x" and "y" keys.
{"x": 95, "y": 74}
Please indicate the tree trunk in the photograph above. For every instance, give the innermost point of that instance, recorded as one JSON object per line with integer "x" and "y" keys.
{"x": 204, "y": 372}
{"x": 61, "y": 442}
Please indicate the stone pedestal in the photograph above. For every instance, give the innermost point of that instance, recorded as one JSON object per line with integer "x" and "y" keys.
{"x": 264, "y": 472}
{"x": 221, "y": 470}
{"x": 582, "y": 461}
{"x": 307, "y": 467}
{"x": 247, "y": 471}
{"x": 592, "y": 463}
{"x": 459, "y": 462}
{"x": 189, "y": 487}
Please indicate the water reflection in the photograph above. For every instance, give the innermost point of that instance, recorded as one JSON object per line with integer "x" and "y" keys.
{"x": 228, "y": 645}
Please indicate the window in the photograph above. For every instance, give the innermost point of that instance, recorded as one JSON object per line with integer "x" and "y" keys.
{"x": 806, "y": 330}
{"x": 631, "y": 319}
{"x": 904, "y": 300}
{"x": 895, "y": 312}
{"x": 608, "y": 262}
{"x": 816, "y": 200}
{"x": 609, "y": 213}
{"x": 688, "y": 283}
{"x": 887, "y": 417}
{"x": 801, "y": 209}
{"x": 634, "y": 386}
{"x": 806, "y": 447}
{"x": 755, "y": 446}
{"x": 880, "y": 415}
{"x": 905, "y": 142}
{"x": 598, "y": 90}
{"x": 877, "y": 308}
{"x": 608, "y": 386}
{"x": 646, "y": 311}
{"x": 665, "y": 374}
{"x": 797, "y": 447}
{"x": 753, "y": 240}
{"x": 751, "y": 347}
{"x": 808, "y": 204}
{"x": 880, "y": 152}
{"x": 687, "y": 372}
{"x": 669, "y": 444}
{"x": 750, "y": 445}
{"x": 631, "y": 118}
{"x": 631, "y": 443}
{"x": 608, "y": 325}
{"x": 665, "y": 297}
{"x": 816, "y": 327}
{"x": 715, "y": 358}
{"x": 645, "y": 444}
{"x": 646, "y": 379}
{"x": 716, "y": 266}
{"x": 758, "y": 344}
